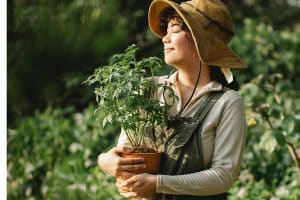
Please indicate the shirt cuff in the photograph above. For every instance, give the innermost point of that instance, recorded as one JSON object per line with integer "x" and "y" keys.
{"x": 158, "y": 183}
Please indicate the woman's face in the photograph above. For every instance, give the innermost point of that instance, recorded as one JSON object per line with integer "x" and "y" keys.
{"x": 178, "y": 47}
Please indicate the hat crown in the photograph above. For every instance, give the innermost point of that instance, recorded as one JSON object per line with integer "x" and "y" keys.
{"x": 215, "y": 11}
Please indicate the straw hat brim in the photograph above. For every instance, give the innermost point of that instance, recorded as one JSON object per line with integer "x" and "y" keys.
{"x": 211, "y": 50}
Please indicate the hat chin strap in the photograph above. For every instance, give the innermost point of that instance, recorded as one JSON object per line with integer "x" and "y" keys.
{"x": 228, "y": 74}
{"x": 194, "y": 90}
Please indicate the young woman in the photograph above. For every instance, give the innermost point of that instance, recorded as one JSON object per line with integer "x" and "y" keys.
{"x": 203, "y": 158}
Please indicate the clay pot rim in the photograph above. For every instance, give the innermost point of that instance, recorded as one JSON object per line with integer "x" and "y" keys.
{"x": 148, "y": 153}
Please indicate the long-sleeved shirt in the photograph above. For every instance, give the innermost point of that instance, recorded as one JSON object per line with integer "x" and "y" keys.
{"x": 223, "y": 141}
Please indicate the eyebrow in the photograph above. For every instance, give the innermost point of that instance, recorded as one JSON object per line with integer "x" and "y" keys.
{"x": 175, "y": 24}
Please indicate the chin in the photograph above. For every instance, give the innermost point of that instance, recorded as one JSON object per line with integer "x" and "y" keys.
{"x": 170, "y": 61}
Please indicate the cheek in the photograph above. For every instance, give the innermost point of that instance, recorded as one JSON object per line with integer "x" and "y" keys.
{"x": 184, "y": 43}
{"x": 185, "y": 48}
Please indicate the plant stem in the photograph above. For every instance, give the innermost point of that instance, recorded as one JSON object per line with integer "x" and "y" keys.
{"x": 294, "y": 154}
{"x": 129, "y": 137}
{"x": 291, "y": 147}
{"x": 269, "y": 122}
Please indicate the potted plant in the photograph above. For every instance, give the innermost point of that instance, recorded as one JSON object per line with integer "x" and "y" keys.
{"x": 127, "y": 94}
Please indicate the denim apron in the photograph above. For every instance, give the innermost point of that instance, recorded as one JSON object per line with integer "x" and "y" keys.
{"x": 182, "y": 150}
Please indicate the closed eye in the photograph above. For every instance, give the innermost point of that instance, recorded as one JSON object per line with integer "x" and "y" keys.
{"x": 175, "y": 28}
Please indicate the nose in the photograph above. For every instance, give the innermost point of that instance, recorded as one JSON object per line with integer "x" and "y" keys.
{"x": 166, "y": 38}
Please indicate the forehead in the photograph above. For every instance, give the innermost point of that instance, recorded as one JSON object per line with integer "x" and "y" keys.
{"x": 173, "y": 22}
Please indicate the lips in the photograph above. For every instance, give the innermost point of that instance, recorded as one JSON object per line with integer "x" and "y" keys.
{"x": 168, "y": 49}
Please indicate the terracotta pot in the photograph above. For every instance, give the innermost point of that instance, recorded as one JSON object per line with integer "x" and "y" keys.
{"x": 152, "y": 161}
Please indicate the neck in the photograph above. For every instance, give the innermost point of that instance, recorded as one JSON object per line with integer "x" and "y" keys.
{"x": 187, "y": 79}
{"x": 187, "y": 76}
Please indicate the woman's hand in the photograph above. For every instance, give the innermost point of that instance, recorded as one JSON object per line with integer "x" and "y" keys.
{"x": 113, "y": 164}
{"x": 138, "y": 186}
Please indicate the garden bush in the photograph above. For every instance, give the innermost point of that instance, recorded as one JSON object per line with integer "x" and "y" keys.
{"x": 52, "y": 155}
{"x": 272, "y": 100}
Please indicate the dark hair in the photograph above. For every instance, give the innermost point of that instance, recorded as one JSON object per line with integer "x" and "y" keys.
{"x": 217, "y": 75}
{"x": 169, "y": 14}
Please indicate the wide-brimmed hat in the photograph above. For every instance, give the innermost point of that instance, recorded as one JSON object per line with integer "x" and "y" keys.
{"x": 211, "y": 27}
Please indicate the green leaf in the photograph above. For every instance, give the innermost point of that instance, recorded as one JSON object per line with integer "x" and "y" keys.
{"x": 276, "y": 111}
{"x": 107, "y": 119}
{"x": 289, "y": 123}
{"x": 279, "y": 138}
{"x": 268, "y": 142}
{"x": 104, "y": 122}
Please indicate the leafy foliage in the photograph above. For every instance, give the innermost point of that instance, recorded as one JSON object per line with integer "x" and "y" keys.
{"x": 52, "y": 155}
{"x": 127, "y": 96}
{"x": 272, "y": 108}
{"x": 53, "y": 45}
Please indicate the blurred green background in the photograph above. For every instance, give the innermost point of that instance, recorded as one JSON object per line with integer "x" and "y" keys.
{"x": 53, "y": 138}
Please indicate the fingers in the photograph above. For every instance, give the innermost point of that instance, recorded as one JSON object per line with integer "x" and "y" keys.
{"x": 122, "y": 149}
{"x": 129, "y": 165}
{"x": 120, "y": 183}
{"x": 114, "y": 164}
{"x": 120, "y": 188}
{"x": 136, "y": 185}
{"x": 125, "y": 191}
{"x": 135, "y": 167}
{"x": 124, "y": 174}
{"x": 132, "y": 180}
{"x": 130, "y": 195}
{"x": 126, "y": 161}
